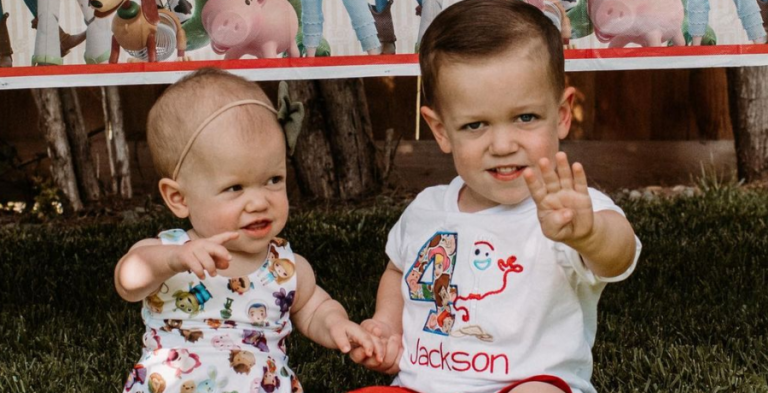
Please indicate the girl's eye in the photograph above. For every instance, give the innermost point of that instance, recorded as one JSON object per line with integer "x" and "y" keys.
{"x": 235, "y": 188}
{"x": 527, "y": 118}
{"x": 473, "y": 126}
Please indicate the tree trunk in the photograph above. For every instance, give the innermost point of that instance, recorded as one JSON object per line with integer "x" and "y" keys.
{"x": 122, "y": 165}
{"x": 351, "y": 136}
{"x": 312, "y": 158}
{"x": 335, "y": 156}
{"x": 79, "y": 144}
{"x": 49, "y": 106}
{"x": 748, "y": 98}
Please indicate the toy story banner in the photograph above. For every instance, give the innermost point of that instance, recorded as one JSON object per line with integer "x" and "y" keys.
{"x": 47, "y": 43}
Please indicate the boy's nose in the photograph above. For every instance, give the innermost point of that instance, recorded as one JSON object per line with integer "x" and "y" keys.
{"x": 503, "y": 141}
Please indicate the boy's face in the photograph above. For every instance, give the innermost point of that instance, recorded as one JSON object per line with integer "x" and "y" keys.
{"x": 498, "y": 116}
{"x": 236, "y": 182}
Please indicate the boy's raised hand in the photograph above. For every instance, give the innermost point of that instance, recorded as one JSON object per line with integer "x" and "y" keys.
{"x": 204, "y": 254}
{"x": 389, "y": 360}
{"x": 562, "y": 199}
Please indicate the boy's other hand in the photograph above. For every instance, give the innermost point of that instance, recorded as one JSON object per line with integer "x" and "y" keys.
{"x": 350, "y": 336}
{"x": 392, "y": 349}
{"x": 201, "y": 255}
{"x": 562, "y": 199}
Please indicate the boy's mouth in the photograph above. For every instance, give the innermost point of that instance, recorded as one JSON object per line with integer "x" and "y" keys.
{"x": 506, "y": 173}
{"x": 258, "y": 228}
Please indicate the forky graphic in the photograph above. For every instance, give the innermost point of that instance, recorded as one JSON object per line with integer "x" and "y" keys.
{"x": 483, "y": 260}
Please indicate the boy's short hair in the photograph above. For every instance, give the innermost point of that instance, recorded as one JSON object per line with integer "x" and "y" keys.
{"x": 473, "y": 29}
{"x": 184, "y": 105}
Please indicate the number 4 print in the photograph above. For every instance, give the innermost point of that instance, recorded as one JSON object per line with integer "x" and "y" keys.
{"x": 440, "y": 252}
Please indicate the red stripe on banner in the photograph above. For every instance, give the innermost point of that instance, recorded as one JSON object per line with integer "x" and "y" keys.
{"x": 329, "y": 61}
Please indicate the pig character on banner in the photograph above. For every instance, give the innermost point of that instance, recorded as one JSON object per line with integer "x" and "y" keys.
{"x": 261, "y": 28}
{"x": 146, "y": 32}
{"x": 747, "y": 10}
{"x": 359, "y": 14}
{"x": 643, "y": 22}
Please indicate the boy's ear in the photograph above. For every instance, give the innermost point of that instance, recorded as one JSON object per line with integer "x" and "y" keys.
{"x": 437, "y": 127}
{"x": 173, "y": 197}
{"x": 565, "y": 112}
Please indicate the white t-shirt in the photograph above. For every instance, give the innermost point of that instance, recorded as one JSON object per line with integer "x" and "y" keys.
{"x": 488, "y": 299}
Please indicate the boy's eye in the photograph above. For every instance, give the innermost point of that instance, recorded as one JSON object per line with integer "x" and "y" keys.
{"x": 473, "y": 126}
{"x": 234, "y": 188}
{"x": 275, "y": 180}
{"x": 527, "y": 117}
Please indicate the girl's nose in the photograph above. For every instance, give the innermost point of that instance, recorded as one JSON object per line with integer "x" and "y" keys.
{"x": 257, "y": 201}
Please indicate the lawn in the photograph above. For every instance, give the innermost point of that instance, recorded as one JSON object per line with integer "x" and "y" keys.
{"x": 692, "y": 318}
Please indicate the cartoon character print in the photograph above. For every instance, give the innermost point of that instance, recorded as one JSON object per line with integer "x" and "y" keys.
{"x": 137, "y": 375}
{"x": 188, "y": 387}
{"x": 296, "y": 385}
{"x": 211, "y": 385}
{"x": 153, "y": 302}
{"x": 151, "y": 341}
{"x": 440, "y": 253}
{"x": 224, "y": 342}
{"x": 284, "y": 300}
{"x": 483, "y": 255}
{"x": 156, "y": 383}
{"x": 192, "y": 301}
{"x": 282, "y": 344}
{"x": 257, "y": 314}
{"x": 275, "y": 268}
{"x": 270, "y": 381}
{"x": 255, "y": 338}
{"x": 183, "y": 361}
{"x": 241, "y": 361}
{"x": 171, "y": 324}
{"x": 226, "y": 312}
{"x": 218, "y": 323}
{"x": 239, "y": 285}
{"x": 191, "y": 335}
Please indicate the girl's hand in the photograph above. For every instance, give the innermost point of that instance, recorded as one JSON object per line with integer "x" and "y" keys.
{"x": 348, "y": 335}
{"x": 562, "y": 199}
{"x": 200, "y": 255}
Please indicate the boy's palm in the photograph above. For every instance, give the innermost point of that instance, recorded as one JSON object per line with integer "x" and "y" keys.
{"x": 389, "y": 360}
{"x": 562, "y": 199}
{"x": 205, "y": 254}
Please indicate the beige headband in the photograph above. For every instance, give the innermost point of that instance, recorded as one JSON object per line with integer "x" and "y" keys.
{"x": 210, "y": 119}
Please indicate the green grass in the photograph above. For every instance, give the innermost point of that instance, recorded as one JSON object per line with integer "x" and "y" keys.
{"x": 692, "y": 318}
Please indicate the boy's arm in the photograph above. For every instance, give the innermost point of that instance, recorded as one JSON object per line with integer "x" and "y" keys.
{"x": 609, "y": 249}
{"x": 389, "y": 303}
{"x": 150, "y": 262}
{"x": 322, "y": 319}
{"x": 387, "y": 323}
{"x": 604, "y": 239}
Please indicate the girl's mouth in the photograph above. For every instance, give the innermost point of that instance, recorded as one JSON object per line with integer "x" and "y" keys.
{"x": 258, "y": 229}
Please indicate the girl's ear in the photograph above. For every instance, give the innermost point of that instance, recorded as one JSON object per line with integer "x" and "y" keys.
{"x": 173, "y": 197}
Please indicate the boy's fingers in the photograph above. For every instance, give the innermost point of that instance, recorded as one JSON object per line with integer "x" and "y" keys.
{"x": 363, "y": 339}
{"x": 564, "y": 171}
{"x": 580, "y": 179}
{"x": 223, "y": 237}
{"x": 357, "y": 355}
{"x": 551, "y": 181}
{"x": 538, "y": 192}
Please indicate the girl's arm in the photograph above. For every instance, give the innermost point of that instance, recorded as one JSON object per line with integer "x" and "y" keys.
{"x": 322, "y": 319}
{"x": 150, "y": 262}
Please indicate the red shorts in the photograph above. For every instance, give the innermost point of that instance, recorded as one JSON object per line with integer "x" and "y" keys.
{"x": 550, "y": 379}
